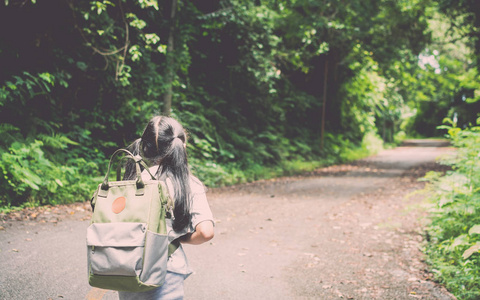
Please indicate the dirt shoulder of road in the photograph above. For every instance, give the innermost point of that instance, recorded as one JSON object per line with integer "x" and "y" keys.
{"x": 48, "y": 214}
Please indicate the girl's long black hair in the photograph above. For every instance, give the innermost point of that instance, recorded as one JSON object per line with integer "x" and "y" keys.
{"x": 163, "y": 144}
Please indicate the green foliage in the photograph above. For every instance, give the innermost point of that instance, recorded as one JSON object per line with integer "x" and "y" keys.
{"x": 454, "y": 248}
{"x": 33, "y": 170}
{"x": 340, "y": 150}
{"x": 371, "y": 144}
{"x": 371, "y": 101}
{"x": 26, "y": 87}
{"x": 443, "y": 81}
{"x": 249, "y": 80}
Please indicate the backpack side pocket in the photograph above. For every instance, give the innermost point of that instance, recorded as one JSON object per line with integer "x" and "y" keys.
{"x": 156, "y": 256}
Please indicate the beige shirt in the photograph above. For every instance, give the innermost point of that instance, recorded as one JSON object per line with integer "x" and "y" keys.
{"x": 200, "y": 212}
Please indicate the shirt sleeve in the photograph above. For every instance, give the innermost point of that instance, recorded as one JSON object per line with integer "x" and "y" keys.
{"x": 200, "y": 210}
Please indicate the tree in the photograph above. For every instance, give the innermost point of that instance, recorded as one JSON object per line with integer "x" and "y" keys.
{"x": 170, "y": 63}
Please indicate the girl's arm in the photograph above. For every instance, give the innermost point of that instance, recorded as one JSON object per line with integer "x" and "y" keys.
{"x": 203, "y": 233}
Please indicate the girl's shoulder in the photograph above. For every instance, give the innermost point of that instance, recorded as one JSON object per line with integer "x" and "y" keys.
{"x": 197, "y": 186}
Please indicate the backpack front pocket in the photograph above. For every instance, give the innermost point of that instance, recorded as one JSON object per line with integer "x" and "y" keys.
{"x": 116, "y": 248}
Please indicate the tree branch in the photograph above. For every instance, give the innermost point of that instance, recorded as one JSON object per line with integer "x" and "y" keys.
{"x": 105, "y": 53}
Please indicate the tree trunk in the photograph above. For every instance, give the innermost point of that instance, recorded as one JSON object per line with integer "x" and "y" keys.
{"x": 325, "y": 81}
{"x": 167, "y": 97}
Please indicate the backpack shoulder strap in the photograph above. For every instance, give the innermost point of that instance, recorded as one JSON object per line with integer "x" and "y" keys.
{"x": 167, "y": 188}
{"x": 172, "y": 247}
{"x": 168, "y": 201}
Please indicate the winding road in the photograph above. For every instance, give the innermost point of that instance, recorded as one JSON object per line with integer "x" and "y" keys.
{"x": 342, "y": 232}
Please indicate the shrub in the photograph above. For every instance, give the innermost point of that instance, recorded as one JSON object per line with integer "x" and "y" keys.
{"x": 35, "y": 171}
{"x": 454, "y": 233}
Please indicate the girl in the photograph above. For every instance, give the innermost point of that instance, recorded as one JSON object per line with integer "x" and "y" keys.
{"x": 163, "y": 147}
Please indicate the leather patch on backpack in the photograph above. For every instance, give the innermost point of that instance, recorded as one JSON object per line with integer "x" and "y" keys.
{"x": 119, "y": 205}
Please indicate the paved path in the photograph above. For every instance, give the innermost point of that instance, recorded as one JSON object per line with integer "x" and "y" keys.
{"x": 342, "y": 232}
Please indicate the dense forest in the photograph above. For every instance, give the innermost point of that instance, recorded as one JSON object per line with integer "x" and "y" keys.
{"x": 265, "y": 88}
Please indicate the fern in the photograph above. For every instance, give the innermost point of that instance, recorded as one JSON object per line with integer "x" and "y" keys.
{"x": 56, "y": 141}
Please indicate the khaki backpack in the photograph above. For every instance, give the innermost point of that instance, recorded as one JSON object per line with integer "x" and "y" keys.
{"x": 127, "y": 238}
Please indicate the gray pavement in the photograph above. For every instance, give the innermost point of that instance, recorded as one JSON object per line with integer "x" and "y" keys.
{"x": 43, "y": 260}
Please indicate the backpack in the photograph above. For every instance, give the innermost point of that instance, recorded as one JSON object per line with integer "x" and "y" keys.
{"x": 127, "y": 238}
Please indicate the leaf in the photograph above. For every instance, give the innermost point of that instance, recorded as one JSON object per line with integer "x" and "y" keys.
{"x": 82, "y": 66}
{"x": 138, "y": 23}
{"x": 460, "y": 241}
{"x": 31, "y": 179}
{"x": 162, "y": 49}
{"x": 470, "y": 251}
{"x": 474, "y": 229}
{"x": 472, "y": 100}
{"x": 151, "y": 38}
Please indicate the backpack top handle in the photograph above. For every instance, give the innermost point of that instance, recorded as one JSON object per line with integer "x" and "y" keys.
{"x": 139, "y": 182}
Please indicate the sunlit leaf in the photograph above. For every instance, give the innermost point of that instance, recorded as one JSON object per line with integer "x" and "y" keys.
{"x": 474, "y": 230}
{"x": 470, "y": 251}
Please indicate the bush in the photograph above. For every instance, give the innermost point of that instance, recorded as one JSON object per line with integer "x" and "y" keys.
{"x": 454, "y": 233}
{"x": 53, "y": 169}
{"x": 35, "y": 171}
{"x": 337, "y": 149}
{"x": 371, "y": 144}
